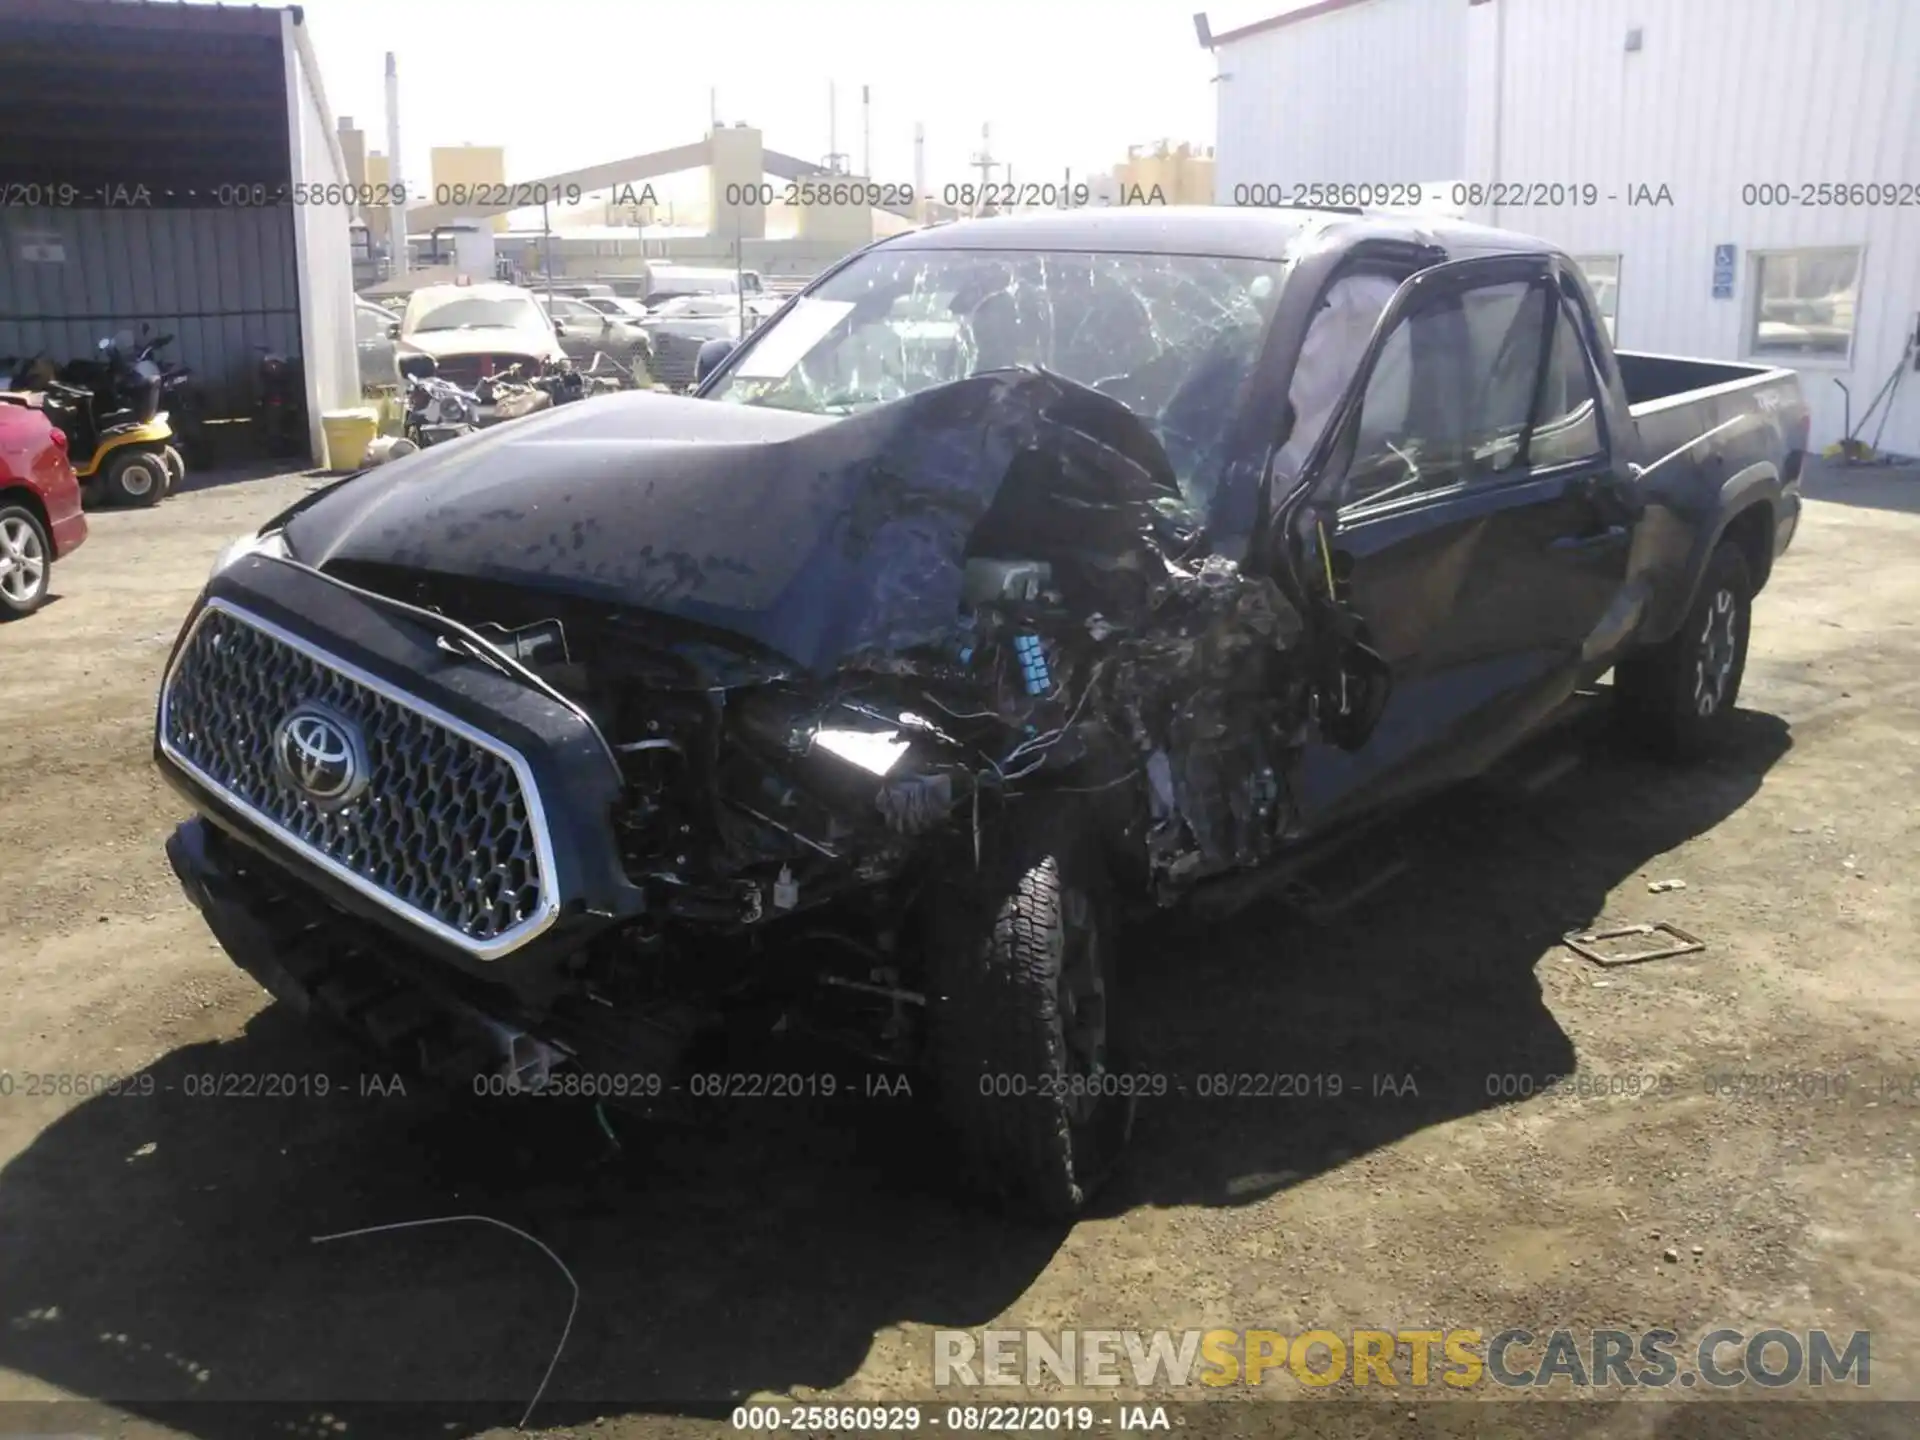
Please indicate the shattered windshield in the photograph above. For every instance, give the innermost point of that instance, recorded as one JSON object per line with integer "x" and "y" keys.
{"x": 1170, "y": 336}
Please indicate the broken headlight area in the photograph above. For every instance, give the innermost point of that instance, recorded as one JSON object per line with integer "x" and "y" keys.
{"x": 750, "y": 796}
{"x": 1007, "y": 594}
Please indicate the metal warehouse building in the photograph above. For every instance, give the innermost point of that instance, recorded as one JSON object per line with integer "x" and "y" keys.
{"x": 1739, "y": 178}
{"x": 149, "y": 153}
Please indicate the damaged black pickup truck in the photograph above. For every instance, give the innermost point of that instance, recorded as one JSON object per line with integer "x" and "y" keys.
{"x": 1020, "y": 570}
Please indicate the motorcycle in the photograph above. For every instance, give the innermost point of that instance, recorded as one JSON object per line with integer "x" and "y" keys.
{"x": 282, "y": 404}
{"x": 437, "y": 410}
{"x": 26, "y": 372}
{"x": 180, "y": 397}
{"x": 509, "y": 396}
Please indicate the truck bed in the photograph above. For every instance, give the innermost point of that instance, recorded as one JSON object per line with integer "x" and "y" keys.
{"x": 1676, "y": 403}
{"x": 1653, "y": 379}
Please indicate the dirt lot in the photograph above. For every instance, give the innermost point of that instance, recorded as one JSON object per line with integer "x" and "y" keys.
{"x": 157, "y": 1246}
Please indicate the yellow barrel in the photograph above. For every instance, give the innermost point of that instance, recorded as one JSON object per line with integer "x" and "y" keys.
{"x": 349, "y": 433}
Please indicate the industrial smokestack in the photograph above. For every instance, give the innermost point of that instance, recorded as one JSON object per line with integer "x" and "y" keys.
{"x": 920, "y": 171}
{"x": 833, "y": 127}
{"x": 397, "y": 213}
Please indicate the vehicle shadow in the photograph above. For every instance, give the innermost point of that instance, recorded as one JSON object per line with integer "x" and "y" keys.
{"x": 162, "y": 1250}
{"x": 1419, "y": 1003}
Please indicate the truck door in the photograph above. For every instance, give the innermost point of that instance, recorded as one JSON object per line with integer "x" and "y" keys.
{"x": 1461, "y": 526}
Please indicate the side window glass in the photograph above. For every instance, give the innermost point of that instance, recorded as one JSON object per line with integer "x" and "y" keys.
{"x": 1569, "y": 424}
{"x": 1506, "y": 326}
{"x": 1447, "y": 402}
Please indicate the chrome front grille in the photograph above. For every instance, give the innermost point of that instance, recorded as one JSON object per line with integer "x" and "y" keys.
{"x": 445, "y": 827}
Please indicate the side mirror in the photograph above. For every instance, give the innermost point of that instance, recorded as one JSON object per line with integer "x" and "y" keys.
{"x": 559, "y": 327}
{"x": 393, "y": 331}
{"x": 418, "y": 367}
{"x": 710, "y": 356}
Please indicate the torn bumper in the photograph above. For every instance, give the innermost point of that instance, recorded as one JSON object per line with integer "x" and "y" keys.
{"x": 212, "y": 883}
{"x": 405, "y": 1010}
{"x": 329, "y": 970}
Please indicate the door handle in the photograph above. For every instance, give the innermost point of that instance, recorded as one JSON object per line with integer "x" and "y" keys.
{"x": 1598, "y": 540}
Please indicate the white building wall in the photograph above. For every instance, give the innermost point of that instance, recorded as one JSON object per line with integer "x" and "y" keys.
{"x": 322, "y": 242}
{"x": 1720, "y": 94}
{"x": 1348, "y": 97}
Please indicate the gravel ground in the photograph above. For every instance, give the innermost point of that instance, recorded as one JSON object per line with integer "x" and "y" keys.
{"x": 157, "y": 1246}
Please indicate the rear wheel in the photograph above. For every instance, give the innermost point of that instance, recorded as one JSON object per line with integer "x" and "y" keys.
{"x": 176, "y": 468}
{"x": 1020, "y": 984}
{"x": 136, "y": 477}
{"x": 26, "y": 562}
{"x": 1677, "y": 696}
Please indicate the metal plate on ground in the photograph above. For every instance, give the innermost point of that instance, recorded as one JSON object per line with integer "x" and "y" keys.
{"x": 1587, "y": 943}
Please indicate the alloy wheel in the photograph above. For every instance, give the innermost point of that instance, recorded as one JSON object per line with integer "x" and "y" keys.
{"x": 1715, "y": 654}
{"x": 23, "y": 561}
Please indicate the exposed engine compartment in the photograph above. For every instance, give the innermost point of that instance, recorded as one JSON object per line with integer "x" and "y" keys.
{"x": 1043, "y": 613}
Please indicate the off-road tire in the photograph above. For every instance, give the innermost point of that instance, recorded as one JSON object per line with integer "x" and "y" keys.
{"x": 1669, "y": 696}
{"x": 136, "y": 478}
{"x": 18, "y": 518}
{"x": 1001, "y": 941}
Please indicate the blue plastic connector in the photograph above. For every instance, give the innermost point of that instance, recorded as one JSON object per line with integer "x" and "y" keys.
{"x": 1033, "y": 664}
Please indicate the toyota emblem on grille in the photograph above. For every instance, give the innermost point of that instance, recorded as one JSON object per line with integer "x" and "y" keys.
{"x": 321, "y": 753}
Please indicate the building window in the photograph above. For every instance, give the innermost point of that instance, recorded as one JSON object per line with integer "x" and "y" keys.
{"x": 1603, "y": 278}
{"x": 1804, "y": 303}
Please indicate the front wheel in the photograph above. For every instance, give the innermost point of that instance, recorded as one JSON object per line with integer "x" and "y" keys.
{"x": 176, "y": 468}
{"x": 1677, "y": 696}
{"x": 137, "y": 477}
{"x": 1020, "y": 970}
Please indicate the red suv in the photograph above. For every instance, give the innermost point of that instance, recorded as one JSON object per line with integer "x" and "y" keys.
{"x": 40, "y": 516}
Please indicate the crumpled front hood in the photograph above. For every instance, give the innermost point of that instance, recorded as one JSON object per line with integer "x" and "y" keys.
{"x": 820, "y": 539}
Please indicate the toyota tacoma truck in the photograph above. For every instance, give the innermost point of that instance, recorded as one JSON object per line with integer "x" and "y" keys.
{"x": 1018, "y": 572}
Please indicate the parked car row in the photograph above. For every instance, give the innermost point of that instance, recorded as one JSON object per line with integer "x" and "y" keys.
{"x": 473, "y": 330}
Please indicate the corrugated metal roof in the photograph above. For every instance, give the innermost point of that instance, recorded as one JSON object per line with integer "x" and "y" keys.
{"x": 1290, "y": 17}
